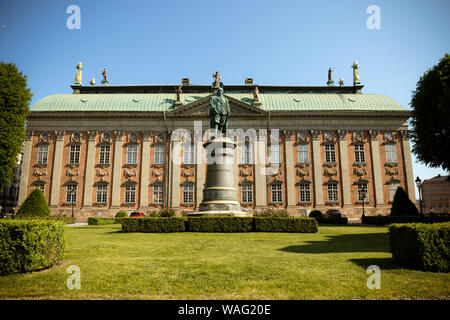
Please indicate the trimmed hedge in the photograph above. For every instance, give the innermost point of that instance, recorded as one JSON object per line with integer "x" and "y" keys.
{"x": 63, "y": 219}
{"x": 34, "y": 205}
{"x": 154, "y": 224}
{"x": 297, "y": 224}
{"x": 29, "y": 245}
{"x": 331, "y": 220}
{"x": 385, "y": 220}
{"x": 220, "y": 224}
{"x": 421, "y": 246}
{"x": 99, "y": 220}
{"x": 121, "y": 214}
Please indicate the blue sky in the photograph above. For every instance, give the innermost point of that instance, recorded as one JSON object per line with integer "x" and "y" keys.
{"x": 275, "y": 42}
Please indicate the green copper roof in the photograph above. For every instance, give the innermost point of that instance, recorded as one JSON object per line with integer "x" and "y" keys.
{"x": 274, "y": 101}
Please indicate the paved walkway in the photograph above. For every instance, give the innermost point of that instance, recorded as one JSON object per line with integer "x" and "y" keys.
{"x": 78, "y": 224}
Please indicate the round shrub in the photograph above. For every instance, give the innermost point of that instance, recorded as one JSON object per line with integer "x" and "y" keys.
{"x": 121, "y": 214}
{"x": 167, "y": 212}
{"x": 316, "y": 214}
{"x": 34, "y": 205}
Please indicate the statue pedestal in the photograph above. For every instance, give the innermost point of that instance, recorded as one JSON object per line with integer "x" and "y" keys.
{"x": 220, "y": 196}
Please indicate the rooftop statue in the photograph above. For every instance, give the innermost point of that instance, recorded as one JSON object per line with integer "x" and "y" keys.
{"x": 329, "y": 74}
{"x": 355, "y": 67}
{"x": 216, "y": 76}
{"x": 78, "y": 75}
{"x": 105, "y": 75}
{"x": 219, "y": 111}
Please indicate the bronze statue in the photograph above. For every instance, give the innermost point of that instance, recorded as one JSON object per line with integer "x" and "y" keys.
{"x": 256, "y": 94}
{"x": 355, "y": 67}
{"x": 329, "y": 74}
{"x": 178, "y": 92}
{"x": 219, "y": 111}
{"x": 104, "y": 75}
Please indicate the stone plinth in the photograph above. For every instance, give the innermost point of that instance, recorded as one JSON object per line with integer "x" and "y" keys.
{"x": 220, "y": 196}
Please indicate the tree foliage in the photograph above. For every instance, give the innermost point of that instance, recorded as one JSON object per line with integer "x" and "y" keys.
{"x": 402, "y": 205}
{"x": 430, "y": 121}
{"x": 14, "y": 101}
{"x": 34, "y": 205}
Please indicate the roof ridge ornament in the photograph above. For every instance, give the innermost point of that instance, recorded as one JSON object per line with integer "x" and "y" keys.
{"x": 78, "y": 74}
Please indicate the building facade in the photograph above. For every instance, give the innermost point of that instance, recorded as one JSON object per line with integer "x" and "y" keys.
{"x": 110, "y": 147}
{"x": 436, "y": 195}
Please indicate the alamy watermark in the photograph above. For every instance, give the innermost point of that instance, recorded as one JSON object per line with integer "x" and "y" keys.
{"x": 74, "y": 20}
{"x": 74, "y": 280}
{"x": 374, "y": 20}
{"x": 374, "y": 280}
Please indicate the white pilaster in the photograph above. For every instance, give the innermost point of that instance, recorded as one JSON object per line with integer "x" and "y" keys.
{"x": 317, "y": 169}
{"x": 56, "y": 174}
{"x": 145, "y": 171}
{"x": 116, "y": 176}
{"x": 25, "y": 168}
{"x": 343, "y": 152}
{"x": 290, "y": 172}
{"x": 376, "y": 163}
{"x": 409, "y": 175}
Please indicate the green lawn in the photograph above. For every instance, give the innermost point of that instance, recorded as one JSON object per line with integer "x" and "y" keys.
{"x": 330, "y": 264}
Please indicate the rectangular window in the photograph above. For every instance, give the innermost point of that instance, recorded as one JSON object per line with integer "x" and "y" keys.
{"x": 74, "y": 155}
{"x": 246, "y": 153}
{"x": 130, "y": 193}
{"x": 392, "y": 190}
{"x": 132, "y": 154}
{"x": 302, "y": 153}
{"x": 71, "y": 193}
{"x": 277, "y": 193}
{"x": 188, "y": 153}
{"x": 363, "y": 193}
{"x": 247, "y": 193}
{"x": 305, "y": 193}
{"x": 160, "y": 153}
{"x": 275, "y": 154}
{"x": 330, "y": 153}
{"x": 104, "y": 154}
{"x": 188, "y": 194}
{"x": 102, "y": 193}
{"x": 42, "y": 154}
{"x": 360, "y": 156}
{"x": 391, "y": 153}
{"x": 158, "y": 193}
{"x": 332, "y": 191}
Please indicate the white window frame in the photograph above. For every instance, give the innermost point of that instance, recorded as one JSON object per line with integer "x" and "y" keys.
{"x": 391, "y": 152}
{"x": 74, "y": 154}
{"x": 246, "y": 153}
{"x": 158, "y": 193}
{"x": 333, "y": 192}
{"x": 393, "y": 186}
{"x": 132, "y": 153}
{"x": 302, "y": 153}
{"x": 304, "y": 193}
{"x": 102, "y": 193}
{"x": 42, "y": 157}
{"x": 275, "y": 153}
{"x": 159, "y": 153}
{"x": 188, "y": 153}
{"x": 188, "y": 194}
{"x": 360, "y": 155}
{"x": 330, "y": 153}
{"x": 71, "y": 198}
{"x": 360, "y": 187}
{"x": 276, "y": 193}
{"x": 104, "y": 154}
{"x": 130, "y": 193}
{"x": 247, "y": 193}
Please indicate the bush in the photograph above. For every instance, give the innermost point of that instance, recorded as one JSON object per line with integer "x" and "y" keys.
{"x": 34, "y": 205}
{"x": 331, "y": 220}
{"x": 402, "y": 205}
{"x": 154, "y": 224}
{"x": 29, "y": 245}
{"x": 98, "y": 220}
{"x": 64, "y": 219}
{"x": 279, "y": 224}
{"x": 272, "y": 213}
{"x": 167, "y": 212}
{"x": 422, "y": 246}
{"x": 121, "y": 214}
{"x": 316, "y": 214}
{"x": 220, "y": 224}
{"x": 385, "y": 220}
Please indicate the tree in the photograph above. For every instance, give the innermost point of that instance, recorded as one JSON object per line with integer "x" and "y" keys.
{"x": 34, "y": 205}
{"x": 402, "y": 205}
{"x": 15, "y": 98}
{"x": 430, "y": 120}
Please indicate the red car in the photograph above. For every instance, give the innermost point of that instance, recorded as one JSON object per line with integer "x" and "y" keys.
{"x": 137, "y": 214}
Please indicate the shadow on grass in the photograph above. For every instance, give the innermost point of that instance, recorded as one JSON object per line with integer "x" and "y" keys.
{"x": 370, "y": 242}
{"x": 383, "y": 263}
